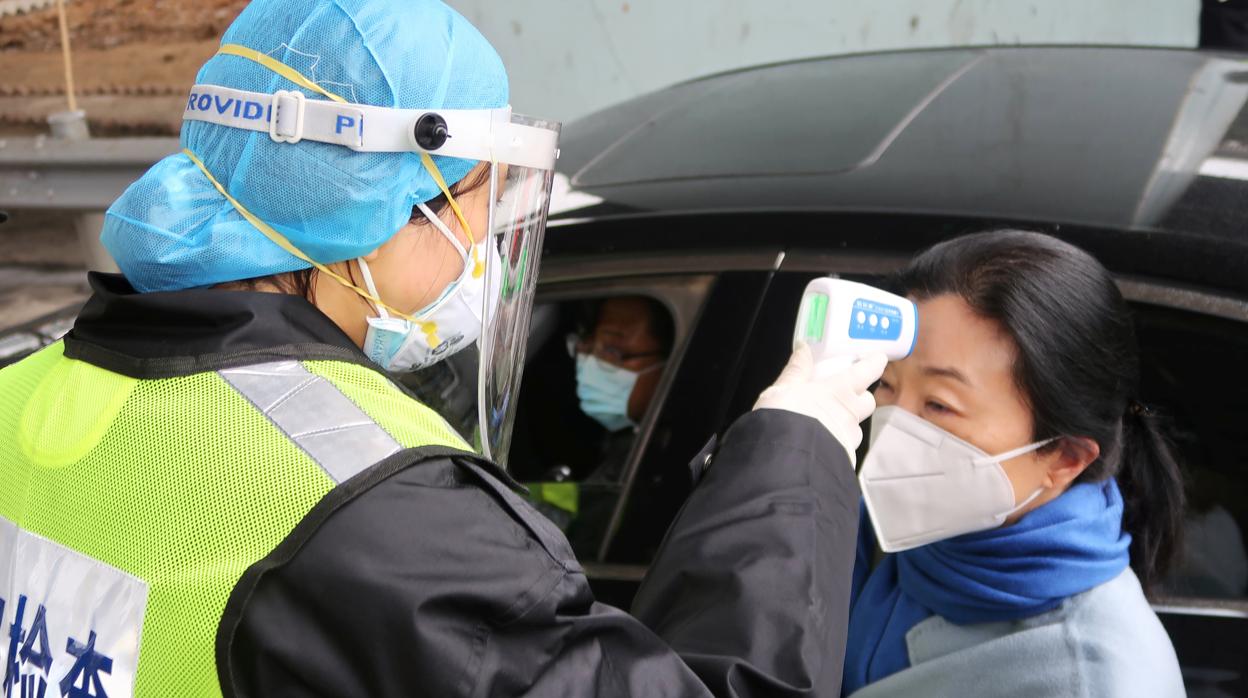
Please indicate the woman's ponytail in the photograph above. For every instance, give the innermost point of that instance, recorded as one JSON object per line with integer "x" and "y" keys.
{"x": 1152, "y": 493}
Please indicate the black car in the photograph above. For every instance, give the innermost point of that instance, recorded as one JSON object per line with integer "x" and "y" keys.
{"x": 722, "y": 197}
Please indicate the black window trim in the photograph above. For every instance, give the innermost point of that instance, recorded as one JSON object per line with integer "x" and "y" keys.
{"x": 1198, "y": 606}
{"x": 566, "y": 269}
{"x": 1136, "y": 289}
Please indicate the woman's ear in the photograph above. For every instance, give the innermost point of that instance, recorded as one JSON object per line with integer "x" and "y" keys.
{"x": 1073, "y": 455}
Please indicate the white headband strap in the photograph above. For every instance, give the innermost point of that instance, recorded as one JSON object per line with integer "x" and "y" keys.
{"x": 288, "y": 116}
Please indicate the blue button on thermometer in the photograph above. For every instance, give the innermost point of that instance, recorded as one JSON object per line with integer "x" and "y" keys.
{"x": 846, "y": 319}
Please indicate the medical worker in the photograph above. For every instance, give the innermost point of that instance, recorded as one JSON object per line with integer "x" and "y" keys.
{"x": 213, "y": 486}
{"x": 1028, "y": 500}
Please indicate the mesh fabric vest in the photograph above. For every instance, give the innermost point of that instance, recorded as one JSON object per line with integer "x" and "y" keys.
{"x": 184, "y": 482}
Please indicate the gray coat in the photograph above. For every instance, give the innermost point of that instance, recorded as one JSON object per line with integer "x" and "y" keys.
{"x": 1104, "y": 643}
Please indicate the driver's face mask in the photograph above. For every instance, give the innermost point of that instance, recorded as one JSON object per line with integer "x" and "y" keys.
{"x": 604, "y": 390}
{"x": 447, "y": 325}
{"x": 922, "y": 484}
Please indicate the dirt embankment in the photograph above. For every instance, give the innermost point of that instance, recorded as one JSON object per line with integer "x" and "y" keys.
{"x": 106, "y": 24}
{"x": 134, "y": 61}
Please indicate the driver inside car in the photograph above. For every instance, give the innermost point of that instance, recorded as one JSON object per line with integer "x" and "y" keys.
{"x": 596, "y": 395}
{"x": 619, "y": 362}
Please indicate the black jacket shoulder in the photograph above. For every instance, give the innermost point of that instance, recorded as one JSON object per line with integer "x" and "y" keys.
{"x": 392, "y": 583}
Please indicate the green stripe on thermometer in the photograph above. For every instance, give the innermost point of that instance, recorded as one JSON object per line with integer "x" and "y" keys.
{"x": 816, "y": 317}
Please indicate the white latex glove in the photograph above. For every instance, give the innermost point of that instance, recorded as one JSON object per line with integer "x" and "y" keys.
{"x": 834, "y": 392}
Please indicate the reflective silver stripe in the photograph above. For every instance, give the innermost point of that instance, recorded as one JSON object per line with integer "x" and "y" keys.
{"x": 314, "y": 414}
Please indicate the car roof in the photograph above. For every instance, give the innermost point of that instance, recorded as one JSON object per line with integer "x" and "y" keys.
{"x": 1126, "y": 138}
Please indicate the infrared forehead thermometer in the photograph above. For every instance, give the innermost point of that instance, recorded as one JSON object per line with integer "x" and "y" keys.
{"x": 845, "y": 319}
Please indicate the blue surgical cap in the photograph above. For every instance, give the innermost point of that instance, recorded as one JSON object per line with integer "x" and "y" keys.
{"x": 172, "y": 229}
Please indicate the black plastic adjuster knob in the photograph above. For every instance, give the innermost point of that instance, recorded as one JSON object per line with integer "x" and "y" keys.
{"x": 431, "y": 132}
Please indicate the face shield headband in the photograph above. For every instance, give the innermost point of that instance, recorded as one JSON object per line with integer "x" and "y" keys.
{"x": 525, "y": 148}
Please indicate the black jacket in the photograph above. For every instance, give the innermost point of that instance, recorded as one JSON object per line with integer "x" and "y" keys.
{"x": 428, "y": 575}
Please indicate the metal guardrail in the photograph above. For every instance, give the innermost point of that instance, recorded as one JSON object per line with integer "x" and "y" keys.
{"x": 87, "y": 175}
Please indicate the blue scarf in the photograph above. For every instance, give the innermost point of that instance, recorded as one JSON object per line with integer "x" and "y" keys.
{"x": 1065, "y": 547}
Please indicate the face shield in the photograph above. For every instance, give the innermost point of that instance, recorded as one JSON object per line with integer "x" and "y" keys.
{"x": 517, "y": 227}
{"x": 474, "y": 389}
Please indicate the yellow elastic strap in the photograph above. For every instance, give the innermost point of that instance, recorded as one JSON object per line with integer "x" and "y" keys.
{"x": 431, "y": 333}
{"x": 299, "y": 79}
{"x": 478, "y": 267}
{"x": 281, "y": 241}
{"x": 278, "y": 67}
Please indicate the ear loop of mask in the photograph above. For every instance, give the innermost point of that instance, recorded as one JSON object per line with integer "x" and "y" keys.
{"x": 1009, "y": 455}
{"x": 430, "y": 329}
{"x": 478, "y": 267}
{"x": 446, "y": 232}
{"x": 446, "y": 293}
{"x": 372, "y": 289}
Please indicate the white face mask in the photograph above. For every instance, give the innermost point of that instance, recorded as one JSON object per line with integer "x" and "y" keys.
{"x": 447, "y": 325}
{"x": 922, "y": 484}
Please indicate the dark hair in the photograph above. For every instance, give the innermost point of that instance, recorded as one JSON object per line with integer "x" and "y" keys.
{"x": 302, "y": 282}
{"x": 659, "y": 320}
{"x": 439, "y": 203}
{"x": 662, "y": 325}
{"x": 1077, "y": 366}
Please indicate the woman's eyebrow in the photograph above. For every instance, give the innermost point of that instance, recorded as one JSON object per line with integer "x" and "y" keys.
{"x": 947, "y": 372}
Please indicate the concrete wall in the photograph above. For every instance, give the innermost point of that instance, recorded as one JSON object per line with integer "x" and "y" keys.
{"x": 570, "y": 57}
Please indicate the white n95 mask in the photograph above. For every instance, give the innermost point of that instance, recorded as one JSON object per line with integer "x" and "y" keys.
{"x": 922, "y": 484}
{"x": 444, "y": 327}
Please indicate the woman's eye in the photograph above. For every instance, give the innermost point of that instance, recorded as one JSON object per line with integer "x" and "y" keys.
{"x": 936, "y": 407}
{"x": 883, "y": 385}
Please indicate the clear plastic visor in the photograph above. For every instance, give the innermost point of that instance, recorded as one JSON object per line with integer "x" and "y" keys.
{"x": 475, "y": 390}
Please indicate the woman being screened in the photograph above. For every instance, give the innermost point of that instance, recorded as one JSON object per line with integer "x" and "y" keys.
{"x": 1026, "y": 498}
